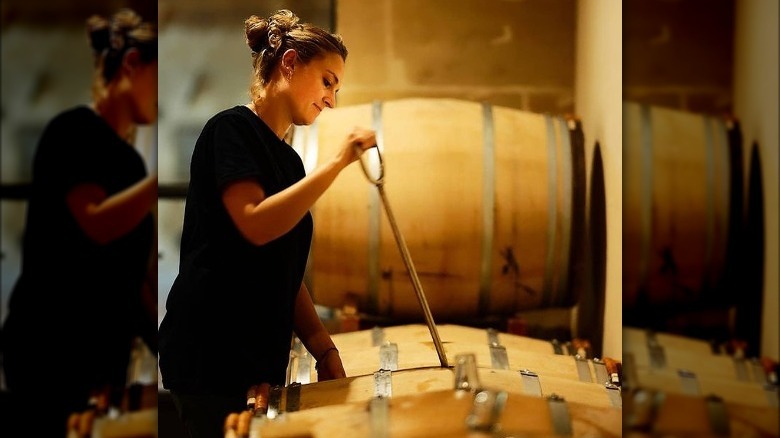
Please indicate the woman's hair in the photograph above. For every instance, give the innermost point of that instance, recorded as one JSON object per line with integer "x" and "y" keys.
{"x": 270, "y": 37}
{"x": 111, "y": 38}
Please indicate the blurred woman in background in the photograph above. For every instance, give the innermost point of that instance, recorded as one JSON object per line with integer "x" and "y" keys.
{"x": 84, "y": 290}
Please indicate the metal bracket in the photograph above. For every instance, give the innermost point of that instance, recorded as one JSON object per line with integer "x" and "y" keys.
{"x": 556, "y": 346}
{"x": 645, "y": 405}
{"x": 614, "y": 395}
{"x": 688, "y": 382}
{"x": 388, "y": 356}
{"x": 486, "y": 410}
{"x": 741, "y": 368}
{"x": 656, "y": 351}
{"x": 274, "y": 402}
{"x": 377, "y": 336}
{"x": 559, "y": 413}
{"x": 383, "y": 383}
{"x": 293, "y": 397}
{"x": 498, "y": 357}
{"x": 718, "y": 416}
{"x": 602, "y": 375}
{"x": 492, "y": 335}
{"x": 583, "y": 370}
{"x": 466, "y": 377}
{"x": 379, "y": 413}
{"x": 531, "y": 384}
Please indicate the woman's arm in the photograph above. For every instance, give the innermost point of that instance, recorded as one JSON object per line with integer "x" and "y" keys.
{"x": 315, "y": 337}
{"x": 261, "y": 220}
{"x": 106, "y": 218}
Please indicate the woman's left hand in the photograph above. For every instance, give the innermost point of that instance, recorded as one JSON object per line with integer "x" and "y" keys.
{"x": 330, "y": 367}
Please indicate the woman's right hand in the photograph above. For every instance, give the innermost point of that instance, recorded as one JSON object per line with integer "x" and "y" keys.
{"x": 360, "y": 139}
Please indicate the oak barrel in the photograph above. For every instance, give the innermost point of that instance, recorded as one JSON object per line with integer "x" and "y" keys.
{"x": 490, "y": 201}
{"x": 682, "y": 208}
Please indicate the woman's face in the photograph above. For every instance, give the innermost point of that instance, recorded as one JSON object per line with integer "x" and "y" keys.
{"x": 144, "y": 93}
{"x": 313, "y": 87}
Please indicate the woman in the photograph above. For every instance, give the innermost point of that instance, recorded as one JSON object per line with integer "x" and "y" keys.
{"x": 77, "y": 305}
{"x": 239, "y": 293}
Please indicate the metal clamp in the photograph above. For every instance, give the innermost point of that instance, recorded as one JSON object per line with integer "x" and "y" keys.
{"x": 466, "y": 377}
{"x": 388, "y": 356}
{"x": 655, "y": 351}
{"x": 614, "y": 395}
{"x": 492, "y": 335}
{"x": 583, "y": 369}
{"x": 559, "y": 413}
{"x": 293, "y": 397}
{"x": 602, "y": 375}
{"x": 741, "y": 369}
{"x": 498, "y": 357}
{"x": 486, "y": 410}
{"x": 531, "y": 384}
{"x": 718, "y": 416}
{"x": 644, "y": 407}
{"x": 557, "y": 348}
{"x": 688, "y": 382}
{"x": 383, "y": 383}
{"x": 377, "y": 336}
{"x": 274, "y": 402}
{"x": 379, "y": 414}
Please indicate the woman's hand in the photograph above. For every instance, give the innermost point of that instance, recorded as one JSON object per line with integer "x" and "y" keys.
{"x": 330, "y": 366}
{"x": 359, "y": 139}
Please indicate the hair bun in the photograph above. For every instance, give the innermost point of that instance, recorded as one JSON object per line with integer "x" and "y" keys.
{"x": 98, "y": 33}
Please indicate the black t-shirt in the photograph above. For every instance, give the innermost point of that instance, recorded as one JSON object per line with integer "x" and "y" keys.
{"x": 229, "y": 314}
{"x": 77, "y": 304}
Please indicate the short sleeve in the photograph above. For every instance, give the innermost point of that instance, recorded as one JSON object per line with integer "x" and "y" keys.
{"x": 233, "y": 159}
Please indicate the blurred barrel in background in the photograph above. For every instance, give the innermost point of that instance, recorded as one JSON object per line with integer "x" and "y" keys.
{"x": 490, "y": 200}
{"x": 682, "y": 211}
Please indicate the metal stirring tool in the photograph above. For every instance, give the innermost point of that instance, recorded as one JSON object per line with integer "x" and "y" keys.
{"x": 379, "y": 182}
